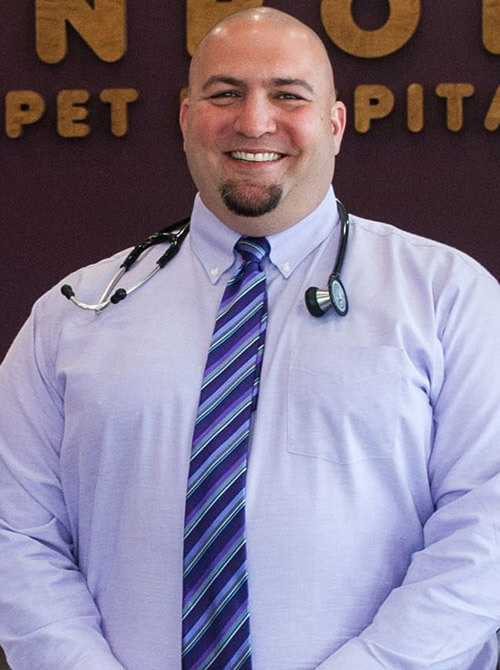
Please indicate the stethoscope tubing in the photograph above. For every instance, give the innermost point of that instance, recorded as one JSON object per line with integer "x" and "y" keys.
{"x": 318, "y": 301}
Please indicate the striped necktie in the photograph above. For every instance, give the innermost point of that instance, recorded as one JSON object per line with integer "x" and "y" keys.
{"x": 215, "y": 619}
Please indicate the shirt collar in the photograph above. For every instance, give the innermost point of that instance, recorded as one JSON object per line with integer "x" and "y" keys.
{"x": 213, "y": 242}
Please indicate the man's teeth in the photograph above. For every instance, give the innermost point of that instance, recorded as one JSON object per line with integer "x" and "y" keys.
{"x": 255, "y": 158}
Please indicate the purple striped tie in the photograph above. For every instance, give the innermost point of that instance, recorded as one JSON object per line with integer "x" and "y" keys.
{"x": 215, "y": 619}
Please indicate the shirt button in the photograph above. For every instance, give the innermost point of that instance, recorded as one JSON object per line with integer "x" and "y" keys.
{"x": 214, "y": 272}
{"x": 285, "y": 267}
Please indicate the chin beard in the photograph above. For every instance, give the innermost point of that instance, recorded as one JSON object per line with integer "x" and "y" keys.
{"x": 246, "y": 202}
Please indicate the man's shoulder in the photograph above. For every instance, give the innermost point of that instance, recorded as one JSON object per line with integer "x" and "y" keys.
{"x": 421, "y": 249}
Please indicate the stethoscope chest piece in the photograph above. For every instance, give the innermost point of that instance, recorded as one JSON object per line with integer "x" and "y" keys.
{"x": 338, "y": 296}
{"x": 319, "y": 301}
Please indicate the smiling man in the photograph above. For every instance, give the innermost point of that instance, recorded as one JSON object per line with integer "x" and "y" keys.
{"x": 261, "y": 125}
{"x": 205, "y": 476}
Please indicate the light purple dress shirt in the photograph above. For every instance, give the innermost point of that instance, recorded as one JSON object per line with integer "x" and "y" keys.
{"x": 373, "y": 506}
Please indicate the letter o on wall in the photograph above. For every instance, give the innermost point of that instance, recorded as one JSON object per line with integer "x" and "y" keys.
{"x": 347, "y": 35}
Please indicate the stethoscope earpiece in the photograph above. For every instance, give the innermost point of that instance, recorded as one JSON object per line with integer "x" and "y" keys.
{"x": 319, "y": 301}
{"x": 173, "y": 235}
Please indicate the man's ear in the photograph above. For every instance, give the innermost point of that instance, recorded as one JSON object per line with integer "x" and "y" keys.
{"x": 183, "y": 112}
{"x": 338, "y": 119}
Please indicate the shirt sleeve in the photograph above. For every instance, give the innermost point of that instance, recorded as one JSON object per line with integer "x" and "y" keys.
{"x": 48, "y": 618}
{"x": 445, "y": 613}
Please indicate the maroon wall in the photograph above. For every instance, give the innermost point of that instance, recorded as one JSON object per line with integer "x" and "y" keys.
{"x": 67, "y": 202}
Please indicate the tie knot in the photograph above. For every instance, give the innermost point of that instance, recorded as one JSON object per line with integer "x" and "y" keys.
{"x": 253, "y": 248}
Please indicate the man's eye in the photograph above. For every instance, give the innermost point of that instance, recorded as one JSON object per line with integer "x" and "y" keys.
{"x": 223, "y": 94}
{"x": 289, "y": 96}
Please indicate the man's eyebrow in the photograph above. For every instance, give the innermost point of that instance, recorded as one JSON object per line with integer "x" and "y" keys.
{"x": 221, "y": 79}
{"x": 289, "y": 81}
{"x": 274, "y": 81}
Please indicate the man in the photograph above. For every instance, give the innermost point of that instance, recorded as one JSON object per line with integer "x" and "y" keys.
{"x": 372, "y": 485}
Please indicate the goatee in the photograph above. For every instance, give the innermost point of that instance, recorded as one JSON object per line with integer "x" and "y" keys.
{"x": 246, "y": 202}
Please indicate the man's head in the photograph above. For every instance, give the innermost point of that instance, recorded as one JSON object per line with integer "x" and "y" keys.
{"x": 261, "y": 124}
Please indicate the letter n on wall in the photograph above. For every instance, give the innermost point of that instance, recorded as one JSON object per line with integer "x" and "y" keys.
{"x": 102, "y": 27}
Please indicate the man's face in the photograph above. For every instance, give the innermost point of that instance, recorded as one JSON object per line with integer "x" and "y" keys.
{"x": 261, "y": 125}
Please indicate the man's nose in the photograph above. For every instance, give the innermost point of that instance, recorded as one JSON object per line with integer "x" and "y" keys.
{"x": 255, "y": 117}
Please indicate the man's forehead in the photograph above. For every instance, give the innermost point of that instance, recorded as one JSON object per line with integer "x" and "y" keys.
{"x": 241, "y": 50}
{"x": 269, "y": 66}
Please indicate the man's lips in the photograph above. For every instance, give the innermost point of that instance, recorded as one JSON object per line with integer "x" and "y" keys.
{"x": 256, "y": 157}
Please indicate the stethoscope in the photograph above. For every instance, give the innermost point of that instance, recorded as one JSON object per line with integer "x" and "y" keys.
{"x": 173, "y": 234}
{"x": 318, "y": 301}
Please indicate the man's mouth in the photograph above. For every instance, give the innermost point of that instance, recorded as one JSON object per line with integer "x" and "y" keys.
{"x": 261, "y": 157}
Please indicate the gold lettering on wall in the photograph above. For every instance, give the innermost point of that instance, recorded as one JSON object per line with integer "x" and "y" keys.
{"x": 22, "y": 108}
{"x": 492, "y": 120}
{"x": 71, "y": 113}
{"x": 102, "y": 25}
{"x": 371, "y": 101}
{"x": 454, "y": 95}
{"x": 103, "y": 28}
{"x": 118, "y": 99}
{"x": 204, "y": 14}
{"x": 339, "y": 23}
{"x": 491, "y": 26}
{"x": 415, "y": 107}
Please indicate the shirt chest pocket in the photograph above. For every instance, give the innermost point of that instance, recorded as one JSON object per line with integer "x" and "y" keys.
{"x": 344, "y": 403}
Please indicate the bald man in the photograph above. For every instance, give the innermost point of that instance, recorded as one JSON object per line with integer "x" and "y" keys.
{"x": 261, "y": 124}
{"x": 369, "y": 470}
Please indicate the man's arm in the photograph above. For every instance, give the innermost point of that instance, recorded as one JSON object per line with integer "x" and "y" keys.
{"x": 48, "y": 618}
{"x": 448, "y": 606}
